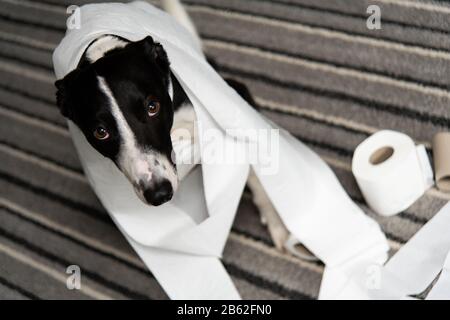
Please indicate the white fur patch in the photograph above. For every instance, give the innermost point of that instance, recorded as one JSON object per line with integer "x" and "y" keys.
{"x": 138, "y": 165}
{"x": 102, "y": 45}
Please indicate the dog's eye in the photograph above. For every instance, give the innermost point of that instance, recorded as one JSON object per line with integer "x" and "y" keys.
{"x": 153, "y": 108}
{"x": 101, "y": 133}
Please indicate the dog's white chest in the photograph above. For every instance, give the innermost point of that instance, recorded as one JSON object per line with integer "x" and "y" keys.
{"x": 185, "y": 140}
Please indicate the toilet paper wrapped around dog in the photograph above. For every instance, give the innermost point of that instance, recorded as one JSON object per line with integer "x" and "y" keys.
{"x": 181, "y": 242}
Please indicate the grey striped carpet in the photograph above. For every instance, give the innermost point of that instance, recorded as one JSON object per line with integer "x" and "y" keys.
{"x": 313, "y": 67}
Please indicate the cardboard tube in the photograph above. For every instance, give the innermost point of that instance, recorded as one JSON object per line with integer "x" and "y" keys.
{"x": 441, "y": 154}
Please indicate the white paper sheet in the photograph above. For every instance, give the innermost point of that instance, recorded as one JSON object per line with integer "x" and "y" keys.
{"x": 408, "y": 273}
{"x": 441, "y": 289}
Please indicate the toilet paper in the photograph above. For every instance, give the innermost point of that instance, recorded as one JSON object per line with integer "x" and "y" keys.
{"x": 391, "y": 171}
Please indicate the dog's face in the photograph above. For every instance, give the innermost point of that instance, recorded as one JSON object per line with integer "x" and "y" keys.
{"x": 122, "y": 104}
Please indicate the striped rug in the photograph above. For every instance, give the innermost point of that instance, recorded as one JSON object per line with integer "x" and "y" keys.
{"x": 313, "y": 67}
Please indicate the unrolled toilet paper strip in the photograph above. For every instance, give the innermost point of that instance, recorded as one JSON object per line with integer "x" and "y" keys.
{"x": 187, "y": 235}
{"x": 441, "y": 155}
{"x": 408, "y": 273}
{"x": 441, "y": 289}
{"x": 182, "y": 275}
{"x": 420, "y": 260}
{"x": 391, "y": 171}
{"x": 188, "y": 277}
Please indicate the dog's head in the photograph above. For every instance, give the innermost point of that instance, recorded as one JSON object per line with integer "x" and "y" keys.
{"x": 122, "y": 103}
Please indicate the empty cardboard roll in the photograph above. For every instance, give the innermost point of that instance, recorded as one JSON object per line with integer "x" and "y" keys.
{"x": 441, "y": 155}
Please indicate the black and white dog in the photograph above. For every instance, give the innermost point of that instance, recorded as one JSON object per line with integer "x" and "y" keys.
{"x": 126, "y": 101}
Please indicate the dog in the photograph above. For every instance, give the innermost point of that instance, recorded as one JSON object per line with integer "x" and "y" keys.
{"x": 128, "y": 104}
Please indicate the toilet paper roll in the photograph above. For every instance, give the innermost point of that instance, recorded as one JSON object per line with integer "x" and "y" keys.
{"x": 441, "y": 155}
{"x": 391, "y": 171}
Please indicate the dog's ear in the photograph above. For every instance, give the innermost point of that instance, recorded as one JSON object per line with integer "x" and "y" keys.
{"x": 63, "y": 99}
{"x": 156, "y": 52}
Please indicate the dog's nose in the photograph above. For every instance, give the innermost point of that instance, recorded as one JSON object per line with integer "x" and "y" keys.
{"x": 159, "y": 193}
